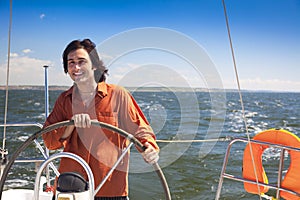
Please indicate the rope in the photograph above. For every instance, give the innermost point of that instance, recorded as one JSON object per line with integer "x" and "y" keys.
{"x": 7, "y": 76}
{"x": 195, "y": 141}
{"x": 240, "y": 94}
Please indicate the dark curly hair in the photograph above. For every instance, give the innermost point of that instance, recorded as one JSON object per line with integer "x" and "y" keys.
{"x": 101, "y": 71}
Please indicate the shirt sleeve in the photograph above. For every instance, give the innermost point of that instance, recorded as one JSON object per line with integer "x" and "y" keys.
{"x": 133, "y": 120}
{"x": 53, "y": 139}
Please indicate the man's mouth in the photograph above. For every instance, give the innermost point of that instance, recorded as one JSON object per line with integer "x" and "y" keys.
{"x": 78, "y": 73}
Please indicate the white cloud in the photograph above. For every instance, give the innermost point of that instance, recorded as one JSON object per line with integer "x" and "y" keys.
{"x": 58, "y": 77}
{"x": 13, "y": 55}
{"x": 42, "y": 16}
{"x": 23, "y": 70}
{"x": 265, "y": 84}
{"x": 105, "y": 57}
{"x": 27, "y": 51}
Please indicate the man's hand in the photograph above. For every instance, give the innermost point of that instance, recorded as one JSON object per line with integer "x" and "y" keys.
{"x": 150, "y": 154}
{"x": 82, "y": 120}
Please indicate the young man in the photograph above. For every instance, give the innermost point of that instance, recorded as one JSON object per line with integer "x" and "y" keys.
{"x": 91, "y": 98}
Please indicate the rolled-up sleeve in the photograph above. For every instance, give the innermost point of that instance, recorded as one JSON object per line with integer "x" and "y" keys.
{"x": 133, "y": 120}
{"x": 52, "y": 139}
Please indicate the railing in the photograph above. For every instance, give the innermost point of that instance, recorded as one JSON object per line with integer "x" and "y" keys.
{"x": 240, "y": 179}
{"x": 38, "y": 145}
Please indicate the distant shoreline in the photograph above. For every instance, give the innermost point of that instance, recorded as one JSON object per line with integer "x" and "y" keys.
{"x": 143, "y": 89}
{"x": 139, "y": 89}
{"x": 33, "y": 87}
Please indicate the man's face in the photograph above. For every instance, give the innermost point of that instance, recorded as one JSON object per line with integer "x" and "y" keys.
{"x": 80, "y": 66}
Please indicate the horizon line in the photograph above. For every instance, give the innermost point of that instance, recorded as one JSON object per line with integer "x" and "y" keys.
{"x": 147, "y": 88}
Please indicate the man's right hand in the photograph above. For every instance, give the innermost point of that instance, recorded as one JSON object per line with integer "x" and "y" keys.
{"x": 82, "y": 120}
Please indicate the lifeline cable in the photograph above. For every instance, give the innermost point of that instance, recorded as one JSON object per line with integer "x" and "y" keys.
{"x": 221, "y": 139}
{"x": 130, "y": 137}
{"x": 240, "y": 94}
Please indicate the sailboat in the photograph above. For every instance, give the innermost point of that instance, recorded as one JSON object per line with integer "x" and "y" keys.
{"x": 256, "y": 182}
{"x": 80, "y": 188}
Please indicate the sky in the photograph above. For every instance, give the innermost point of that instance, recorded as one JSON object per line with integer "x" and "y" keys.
{"x": 165, "y": 43}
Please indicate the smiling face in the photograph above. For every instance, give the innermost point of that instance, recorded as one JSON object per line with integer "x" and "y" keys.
{"x": 80, "y": 66}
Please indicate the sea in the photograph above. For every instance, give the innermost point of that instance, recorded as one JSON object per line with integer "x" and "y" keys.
{"x": 193, "y": 129}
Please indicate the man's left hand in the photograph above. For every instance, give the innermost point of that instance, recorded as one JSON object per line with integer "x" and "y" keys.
{"x": 150, "y": 154}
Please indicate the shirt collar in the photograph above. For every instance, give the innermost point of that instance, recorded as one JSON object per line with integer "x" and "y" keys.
{"x": 101, "y": 88}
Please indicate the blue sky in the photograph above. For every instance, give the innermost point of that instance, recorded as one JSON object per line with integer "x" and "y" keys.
{"x": 265, "y": 34}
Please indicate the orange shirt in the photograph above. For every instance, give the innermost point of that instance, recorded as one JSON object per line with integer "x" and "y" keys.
{"x": 100, "y": 148}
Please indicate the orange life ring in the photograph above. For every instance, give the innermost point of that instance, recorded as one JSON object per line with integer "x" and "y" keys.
{"x": 291, "y": 180}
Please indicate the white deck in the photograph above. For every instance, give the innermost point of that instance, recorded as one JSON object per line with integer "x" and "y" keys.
{"x": 24, "y": 194}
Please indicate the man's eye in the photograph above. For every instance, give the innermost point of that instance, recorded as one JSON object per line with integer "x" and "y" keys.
{"x": 71, "y": 63}
{"x": 81, "y": 62}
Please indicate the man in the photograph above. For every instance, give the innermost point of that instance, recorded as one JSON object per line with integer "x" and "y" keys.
{"x": 91, "y": 98}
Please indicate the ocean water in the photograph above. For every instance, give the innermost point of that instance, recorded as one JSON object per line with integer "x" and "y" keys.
{"x": 192, "y": 169}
